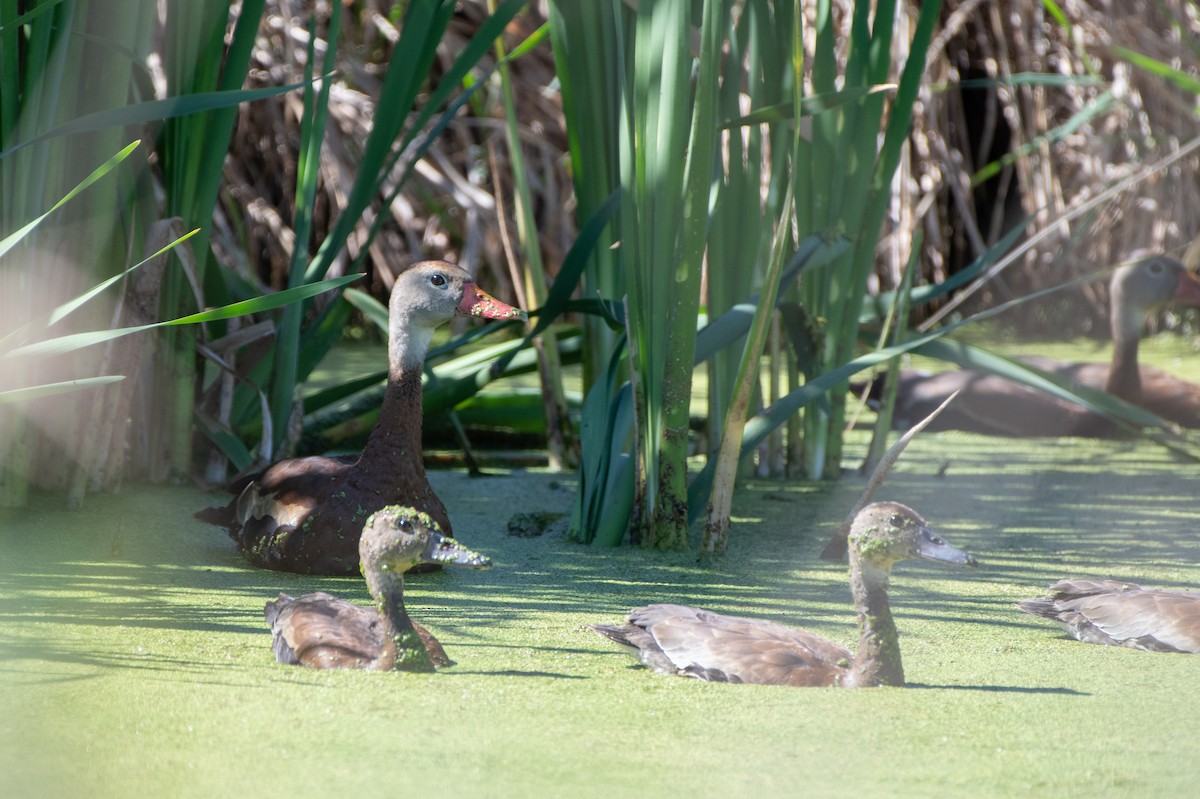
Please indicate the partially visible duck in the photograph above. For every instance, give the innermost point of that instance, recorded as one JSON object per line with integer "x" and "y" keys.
{"x": 305, "y": 514}
{"x": 996, "y": 406}
{"x": 323, "y": 632}
{"x": 689, "y": 642}
{"x": 1115, "y": 613}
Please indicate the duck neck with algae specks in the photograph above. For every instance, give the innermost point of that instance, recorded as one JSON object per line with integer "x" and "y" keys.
{"x": 402, "y": 646}
{"x": 394, "y": 446}
{"x": 877, "y": 661}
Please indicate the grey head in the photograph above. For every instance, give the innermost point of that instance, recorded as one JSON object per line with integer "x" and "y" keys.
{"x": 429, "y": 294}
{"x": 396, "y": 538}
{"x": 885, "y": 533}
{"x": 1146, "y": 286}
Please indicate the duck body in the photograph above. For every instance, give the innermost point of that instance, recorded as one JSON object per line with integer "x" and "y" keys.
{"x": 306, "y": 514}
{"x": 690, "y": 642}
{"x": 1116, "y": 613}
{"x": 321, "y": 631}
{"x": 993, "y": 405}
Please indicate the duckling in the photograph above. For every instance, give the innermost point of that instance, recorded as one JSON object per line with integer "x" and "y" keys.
{"x": 690, "y": 642}
{"x": 1116, "y": 613}
{"x": 323, "y": 632}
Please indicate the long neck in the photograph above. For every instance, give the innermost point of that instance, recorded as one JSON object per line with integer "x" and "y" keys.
{"x": 394, "y": 446}
{"x": 1124, "y": 379}
{"x": 402, "y": 646}
{"x": 877, "y": 661}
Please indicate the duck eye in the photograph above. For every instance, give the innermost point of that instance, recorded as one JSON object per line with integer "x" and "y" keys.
{"x": 896, "y": 520}
{"x": 404, "y": 525}
{"x": 1156, "y": 267}
{"x": 438, "y": 280}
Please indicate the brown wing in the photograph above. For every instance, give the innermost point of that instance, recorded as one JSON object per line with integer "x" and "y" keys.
{"x": 1162, "y": 393}
{"x": 323, "y": 632}
{"x": 991, "y": 405}
{"x": 1114, "y": 613}
{"x": 294, "y": 476}
{"x": 710, "y": 646}
{"x": 289, "y": 490}
{"x": 268, "y": 518}
{"x": 1171, "y": 398}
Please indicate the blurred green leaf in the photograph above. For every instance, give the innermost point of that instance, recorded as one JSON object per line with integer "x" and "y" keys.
{"x": 1184, "y": 80}
{"x": 51, "y": 389}
{"x": 154, "y": 111}
{"x": 75, "y": 341}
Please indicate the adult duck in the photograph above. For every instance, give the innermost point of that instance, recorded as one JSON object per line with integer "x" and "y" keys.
{"x": 997, "y": 406}
{"x": 1116, "y": 613}
{"x": 323, "y": 632}
{"x": 689, "y": 642}
{"x": 305, "y": 514}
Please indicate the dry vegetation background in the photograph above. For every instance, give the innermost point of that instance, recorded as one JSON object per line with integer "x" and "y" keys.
{"x": 456, "y": 207}
{"x": 1060, "y": 146}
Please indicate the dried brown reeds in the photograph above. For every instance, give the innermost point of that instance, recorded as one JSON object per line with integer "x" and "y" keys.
{"x": 449, "y": 209}
{"x": 1059, "y": 147}
{"x": 1056, "y": 145}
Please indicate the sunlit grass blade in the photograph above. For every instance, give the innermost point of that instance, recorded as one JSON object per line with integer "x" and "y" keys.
{"x": 285, "y": 364}
{"x": 9, "y": 241}
{"x": 777, "y": 414}
{"x": 30, "y": 16}
{"x": 75, "y": 341}
{"x": 26, "y": 330}
{"x": 530, "y": 274}
{"x": 154, "y": 111}
{"x": 877, "y": 306}
{"x": 51, "y": 389}
{"x": 1180, "y": 78}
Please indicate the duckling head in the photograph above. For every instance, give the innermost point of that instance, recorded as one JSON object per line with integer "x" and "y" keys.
{"x": 885, "y": 533}
{"x": 396, "y": 538}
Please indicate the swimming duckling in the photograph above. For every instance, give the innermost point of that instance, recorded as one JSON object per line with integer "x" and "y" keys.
{"x": 689, "y": 642}
{"x": 323, "y": 632}
{"x": 1115, "y": 613}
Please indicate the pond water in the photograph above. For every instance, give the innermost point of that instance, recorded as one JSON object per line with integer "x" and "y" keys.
{"x": 134, "y": 659}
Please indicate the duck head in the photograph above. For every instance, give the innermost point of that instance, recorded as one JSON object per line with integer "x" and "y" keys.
{"x": 397, "y": 538}
{"x": 429, "y": 294}
{"x": 1148, "y": 285}
{"x": 434, "y": 291}
{"x": 885, "y": 533}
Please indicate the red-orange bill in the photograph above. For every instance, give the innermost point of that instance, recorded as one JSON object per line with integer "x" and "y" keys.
{"x": 1187, "y": 292}
{"x": 477, "y": 302}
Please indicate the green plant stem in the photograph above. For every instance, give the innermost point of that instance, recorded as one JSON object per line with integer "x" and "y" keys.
{"x": 716, "y": 531}
{"x": 533, "y": 277}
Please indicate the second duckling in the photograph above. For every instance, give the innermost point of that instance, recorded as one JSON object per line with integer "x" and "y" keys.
{"x": 689, "y": 642}
{"x": 1116, "y": 613}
